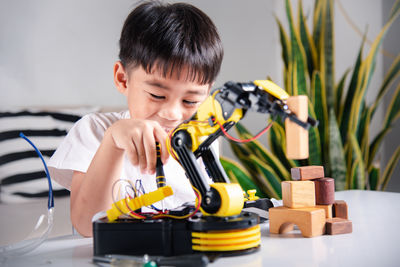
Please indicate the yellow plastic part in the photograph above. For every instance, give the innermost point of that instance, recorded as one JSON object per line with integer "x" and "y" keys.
{"x": 252, "y": 194}
{"x": 232, "y": 199}
{"x": 272, "y": 89}
{"x": 231, "y": 240}
{"x": 125, "y": 205}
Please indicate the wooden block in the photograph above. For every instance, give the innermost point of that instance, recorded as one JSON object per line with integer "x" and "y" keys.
{"x": 311, "y": 220}
{"x": 340, "y": 209}
{"x": 336, "y": 226}
{"x": 307, "y": 173}
{"x": 328, "y": 210}
{"x": 324, "y": 191}
{"x": 298, "y": 194}
{"x": 297, "y": 136}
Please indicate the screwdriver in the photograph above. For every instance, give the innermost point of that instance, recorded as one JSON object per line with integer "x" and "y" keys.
{"x": 160, "y": 177}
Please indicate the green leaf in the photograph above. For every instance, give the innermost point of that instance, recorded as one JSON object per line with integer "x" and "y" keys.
{"x": 270, "y": 178}
{"x": 321, "y": 112}
{"x": 327, "y": 62}
{"x": 359, "y": 182}
{"x": 264, "y": 154}
{"x": 367, "y": 68}
{"x": 306, "y": 40}
{"x": 315, "y": 154}
{"x": 337, "y": 161}
{"x": 395, "y": 9}
{"x": 298, "y": 57}
{"x": 392, "y": 114}
{"x": 284, "y": 43}
{"x": 390, "y": 77}
{"x": 238, "y": 174}
{"x": 339, "y": 94}
{"x": 374, "y": 178}
{"x": 344, "y": 116}
{"x": 387, "y": 174}
{"x": 317, "y": 22}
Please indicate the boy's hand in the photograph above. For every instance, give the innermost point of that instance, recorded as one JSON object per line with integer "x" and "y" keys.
{"x": 138, "y": 139}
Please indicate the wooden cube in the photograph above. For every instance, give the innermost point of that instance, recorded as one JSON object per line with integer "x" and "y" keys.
{"x": 328, "y": 210}
{"x": 311, "y": 220}
{"x": 307, "y": 173}
{"x": 324, "y": 191}
{"x": 297, "y": 136}
{"x": 337, "y": 226}
{"x": 340, "y": 209}
{"x": 298, "y": 194}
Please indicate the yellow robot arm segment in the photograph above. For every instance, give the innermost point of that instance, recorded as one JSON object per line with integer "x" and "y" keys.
{"x": 131, "y": 204}
{"x": 272, "y": 89}
{"x": 232, "y": 199}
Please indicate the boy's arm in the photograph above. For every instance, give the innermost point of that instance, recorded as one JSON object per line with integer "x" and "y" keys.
{"x": 91, "y": 191}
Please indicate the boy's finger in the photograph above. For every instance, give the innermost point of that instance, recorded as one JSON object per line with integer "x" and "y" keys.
{"x": 132, "y": 153}
{"x": 141, "y": 156}
{"x": 150, "y": 150}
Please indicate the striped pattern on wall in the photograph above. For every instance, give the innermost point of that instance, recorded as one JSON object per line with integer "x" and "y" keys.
{"x": 22, "y": 175}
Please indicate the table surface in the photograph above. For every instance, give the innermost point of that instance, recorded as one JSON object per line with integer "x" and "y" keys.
{"x": 374, "y": 241}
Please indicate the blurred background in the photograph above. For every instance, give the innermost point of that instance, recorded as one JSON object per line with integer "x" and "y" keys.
{"x": 61, "y": 53}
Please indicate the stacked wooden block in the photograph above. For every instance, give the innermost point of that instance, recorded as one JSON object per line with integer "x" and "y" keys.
{"x": 309, "y": 202}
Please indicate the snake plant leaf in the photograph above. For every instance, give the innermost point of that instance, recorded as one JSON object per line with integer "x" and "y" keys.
{"x": 393, "y": 111}
{"x": 264, "y": 154}
{"x": 238, "y": 174}
{"x": 284, "y": 43}
{"x": 344, "y": 115}
{"x": 392, "y": 114}
{"x": 277, "y": 144}
{"x": 394, "y": 9}
{"x": 373, "y": 178}
{"x": 339, "y": 94}
{"x": 306, "y": 40}
{"x": 367, "y": 71}
{"x": 352, "y": 182}
{"x": 337, "y": 161}
{"x": 374, "y": 147}
{"x": 298, "y": 57}
{"x": 242, "y": 153}
{"x": 359, "y": 181}
{"x": 314, "y": 141}
{"x": 270, "y": 178}
{"x": 321, "y": 111}
{"x": 390, "y": 168}
{"x": 363, "y": 133}
{"x": 390, "y": 77}
{"x": 327, "y": 51}
{"x": 317, "y": 22}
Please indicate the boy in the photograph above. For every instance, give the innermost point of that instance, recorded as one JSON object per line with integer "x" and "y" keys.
{"x": 170, "y": 54}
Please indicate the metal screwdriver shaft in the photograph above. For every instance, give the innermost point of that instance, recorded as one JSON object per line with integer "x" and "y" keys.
{"x": 160, "y": 177}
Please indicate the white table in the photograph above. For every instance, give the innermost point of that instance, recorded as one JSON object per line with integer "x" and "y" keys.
{"x": 374, "y": 241}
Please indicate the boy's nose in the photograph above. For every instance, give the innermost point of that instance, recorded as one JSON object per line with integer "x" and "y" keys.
{"x": 171, "y": 112}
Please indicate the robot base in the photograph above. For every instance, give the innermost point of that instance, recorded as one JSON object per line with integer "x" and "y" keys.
{"x": 169, "y": 237}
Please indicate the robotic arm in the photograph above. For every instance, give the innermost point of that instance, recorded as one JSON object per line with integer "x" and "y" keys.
{"x": 225, "y": 107}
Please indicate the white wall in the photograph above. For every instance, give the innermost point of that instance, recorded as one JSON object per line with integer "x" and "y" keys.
{"x": 61, "y": 52}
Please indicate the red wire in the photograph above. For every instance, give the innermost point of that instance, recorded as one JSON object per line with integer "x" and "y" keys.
{"x": 243, "y": 140}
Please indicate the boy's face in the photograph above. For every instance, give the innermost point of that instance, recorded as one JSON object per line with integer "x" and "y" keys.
{"x": 169, "y": 101}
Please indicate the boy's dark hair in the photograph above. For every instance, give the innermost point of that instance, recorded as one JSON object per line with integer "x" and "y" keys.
{"x": 171, "y": 37}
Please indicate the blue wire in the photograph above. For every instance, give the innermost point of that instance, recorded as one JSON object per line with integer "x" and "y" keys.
{"x": 50, "y": 202}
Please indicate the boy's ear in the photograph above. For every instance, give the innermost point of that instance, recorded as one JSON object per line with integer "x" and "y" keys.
{"x": 120, "y": 77}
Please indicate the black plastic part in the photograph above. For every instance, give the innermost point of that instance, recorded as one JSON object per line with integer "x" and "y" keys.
{"x": 261, "y": 203}
{"x": 162, "y": 237}
{"x": 165, "y": 237}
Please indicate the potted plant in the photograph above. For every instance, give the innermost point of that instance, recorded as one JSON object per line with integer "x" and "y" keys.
{"x": 342, "y": 141}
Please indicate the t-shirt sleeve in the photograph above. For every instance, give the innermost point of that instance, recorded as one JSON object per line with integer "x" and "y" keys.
{"x": 76, "y": 151}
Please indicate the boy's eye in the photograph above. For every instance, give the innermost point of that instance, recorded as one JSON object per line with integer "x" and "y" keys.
{"x": 190, "y": 103}
{"x": 157, "y": 96}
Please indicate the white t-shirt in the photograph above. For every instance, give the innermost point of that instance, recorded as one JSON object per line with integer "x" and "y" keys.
{"x": 76, "y": 151}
